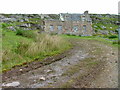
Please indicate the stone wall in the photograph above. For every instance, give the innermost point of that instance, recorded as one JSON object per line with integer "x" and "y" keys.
{"x": 68, "y": 27}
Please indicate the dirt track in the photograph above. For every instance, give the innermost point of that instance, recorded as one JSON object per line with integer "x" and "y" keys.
{"x": 90, "y": 64}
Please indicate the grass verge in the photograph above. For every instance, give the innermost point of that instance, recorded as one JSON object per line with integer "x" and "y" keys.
{"x": 113, "y": 41}
{"x": 18, "y": 49}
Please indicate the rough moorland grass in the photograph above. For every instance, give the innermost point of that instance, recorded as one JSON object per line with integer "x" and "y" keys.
{"x": 18, "y": 50}
{"x": 44, "y": 44}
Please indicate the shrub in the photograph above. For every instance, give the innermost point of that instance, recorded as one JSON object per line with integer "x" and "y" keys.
{"x": 19, "y": 32}
{"x": 116, "y": 31}
{"x": 28, "y": 34}
{"x": 106, "y": 36}
{"x": 96, "y": 30}
{"x": 113, "y": 36}
{"x": 5, "y": 25}
{"x": 116, "y": 42}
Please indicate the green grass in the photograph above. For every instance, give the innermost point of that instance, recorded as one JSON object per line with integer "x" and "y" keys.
{"x": 108, "y": 22}
{"x": 111, "y": 19}
{"x": 10, "y": 42}
{"x": 0, "y": 47}
{"x": 18, "y": 50}
{"x": 101, "y": 39}
{"x": 99, "y": 25}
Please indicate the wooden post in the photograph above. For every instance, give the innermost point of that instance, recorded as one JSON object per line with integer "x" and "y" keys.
{"x": 118, "y": 23}
{"x": 119, "y": 33}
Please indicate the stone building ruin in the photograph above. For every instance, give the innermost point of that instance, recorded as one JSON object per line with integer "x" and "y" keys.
{"x": 73, "y": 24}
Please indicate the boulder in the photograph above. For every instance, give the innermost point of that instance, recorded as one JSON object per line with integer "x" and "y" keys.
{"x": 13, "y": 84}
{"x": 11, "y": 28}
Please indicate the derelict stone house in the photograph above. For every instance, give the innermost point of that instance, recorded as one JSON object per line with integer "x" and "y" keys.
{"x": 74, "y": 24}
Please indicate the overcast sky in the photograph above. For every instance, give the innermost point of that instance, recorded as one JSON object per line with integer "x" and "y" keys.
{"x": 58, "y": 6}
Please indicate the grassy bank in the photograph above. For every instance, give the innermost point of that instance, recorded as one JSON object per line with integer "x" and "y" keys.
{"x": 25, "y": 46}
{"x": 107, "y": 40}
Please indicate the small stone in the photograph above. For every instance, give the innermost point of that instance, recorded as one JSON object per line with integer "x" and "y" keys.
{"x": 48, "y": 71}
{"x": 68, "y": 62}
{"x": 115, "y": 61}
{"x": 20, "y": 70}
{"x": 13, "y": 84}
{"x": 113, "y": 53}
{"x": 42, "y": 78}
{"x": 53, "y": 76}
{"x": 93, "y": 56}
{"x": 77, "y": 56}
{"x": 34, "y": 80}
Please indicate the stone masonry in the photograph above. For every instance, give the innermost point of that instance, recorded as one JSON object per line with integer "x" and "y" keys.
{"x": 73, "y": 24}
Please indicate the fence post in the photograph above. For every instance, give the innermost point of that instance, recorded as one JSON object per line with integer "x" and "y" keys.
{"x": 119, "y": 33}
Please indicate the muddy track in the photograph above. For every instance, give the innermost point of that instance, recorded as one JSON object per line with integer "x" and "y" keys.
{"x": 90, "y": 64}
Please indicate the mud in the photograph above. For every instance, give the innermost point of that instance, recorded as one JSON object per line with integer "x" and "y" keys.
{"x": 86, "y": 65}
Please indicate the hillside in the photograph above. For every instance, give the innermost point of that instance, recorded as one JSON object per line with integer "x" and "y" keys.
{"x": 21, "y": 21}
{"x": 105, "y": 23}
{"x": 25, "y": 21}
{"x": 101, "y": 23}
